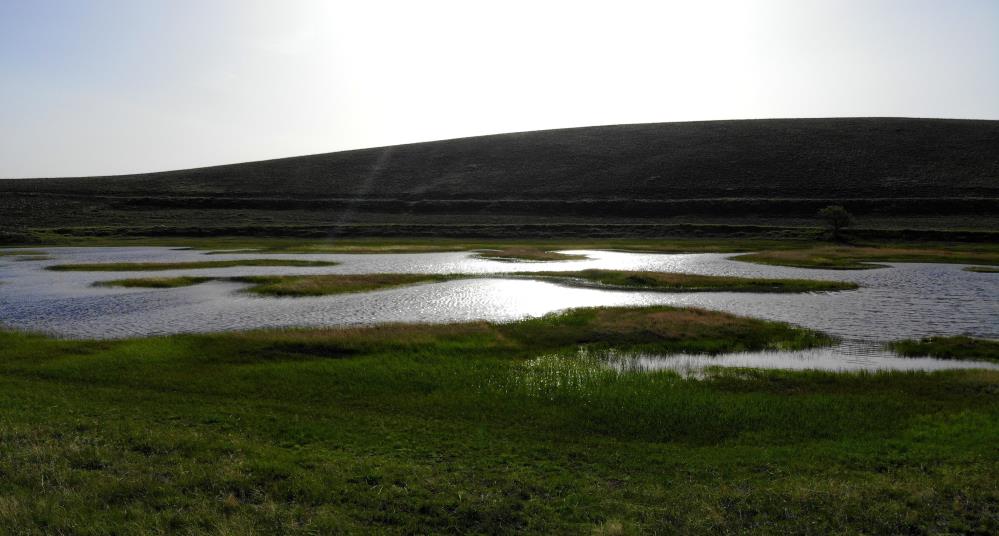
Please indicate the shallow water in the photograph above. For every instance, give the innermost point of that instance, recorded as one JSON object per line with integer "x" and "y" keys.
{"x": 849, "y": 356}
{"x": 902, "y": 301}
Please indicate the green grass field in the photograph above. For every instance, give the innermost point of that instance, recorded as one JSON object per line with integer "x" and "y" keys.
{"x": 483, "y": 428}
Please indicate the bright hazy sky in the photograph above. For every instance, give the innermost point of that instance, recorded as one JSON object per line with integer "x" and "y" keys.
{"x": 103, "y": 86}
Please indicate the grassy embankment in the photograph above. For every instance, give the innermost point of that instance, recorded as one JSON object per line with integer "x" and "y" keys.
{"x": 957, "y": 347}
{"x": 860, "y": 258}
{"x": 319, "y": 285}
{"x": 457, "y": 428}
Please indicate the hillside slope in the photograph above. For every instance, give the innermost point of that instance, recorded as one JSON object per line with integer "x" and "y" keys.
{"x": 764, "y": 168}
{"x": 762, "y": 158}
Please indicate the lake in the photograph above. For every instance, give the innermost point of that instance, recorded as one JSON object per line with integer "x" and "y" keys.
{"x": 904, "y": 300}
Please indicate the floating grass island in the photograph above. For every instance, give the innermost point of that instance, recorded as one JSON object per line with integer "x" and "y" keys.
{"x": 22, "y": 252}
{"x": 290, "y": 285}
{"x": 527, "y": 254}
{"x": 864, "y": 258}
{"x": 155, "y": 282}
{"x": 322, "y": 285}
{"x": 194, "y": 265}
{"x": 680, "y": 282}
{"x": 983, "y": 269}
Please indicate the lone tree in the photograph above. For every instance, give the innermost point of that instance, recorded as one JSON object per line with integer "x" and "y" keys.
{"x": 836, "y": 218}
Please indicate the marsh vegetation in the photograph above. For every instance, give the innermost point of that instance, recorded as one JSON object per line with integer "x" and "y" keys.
{"x": 528, "y": 254}
{"x": 481, "y": 427}
{"x": 484, "y": 428}
{"x": 865, "y": 258}
{"x": 955, "y": 347}
{"x": 680, "y": 282}
{"x": 21, "y": 253}
{"x": 195, "y": 265}
{"x": 327, "y": 284}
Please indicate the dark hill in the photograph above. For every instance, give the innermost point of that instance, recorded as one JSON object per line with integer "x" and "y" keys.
{"x": 762, "y": 167}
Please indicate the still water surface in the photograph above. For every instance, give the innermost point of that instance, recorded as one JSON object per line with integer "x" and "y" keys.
{"x": 906, "y": 300}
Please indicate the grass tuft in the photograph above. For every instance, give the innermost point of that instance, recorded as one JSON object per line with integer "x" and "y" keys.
{"x": 154, "y": 282}
{"x": 527, "y": 254}
{"x": 675, "y": 282}
{"x": 322, "y": 285}
{"x": 958, "y": 347}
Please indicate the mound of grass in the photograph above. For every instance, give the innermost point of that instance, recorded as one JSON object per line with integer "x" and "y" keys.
{"x": 983, "y": 269}
{"x": 289, "y": 285}
{"x": 959, "y": 347}
{"x": 321, "y": 285}
{"x": 864, "y": 258}
{"x": 22, "y": 252}
{"x": 347, "y": 247}
{"x": 154, "y": 282}
{"x": 527, "y": 254}
{"x": 459, "y": 428}
{"x": 193, "y": 265}
{"x": 676, "y": 282}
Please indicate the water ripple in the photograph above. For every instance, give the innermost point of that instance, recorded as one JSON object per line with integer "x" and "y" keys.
{"x": 902, "y": 301}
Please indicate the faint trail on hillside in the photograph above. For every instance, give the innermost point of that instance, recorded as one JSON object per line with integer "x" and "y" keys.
{"x": 363, "y": 188}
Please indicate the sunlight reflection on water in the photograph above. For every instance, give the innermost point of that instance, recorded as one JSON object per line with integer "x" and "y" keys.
{"x": 903, "y": 301}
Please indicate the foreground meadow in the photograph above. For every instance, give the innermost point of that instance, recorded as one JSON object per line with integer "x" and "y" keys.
{"x": 483, "y": 428}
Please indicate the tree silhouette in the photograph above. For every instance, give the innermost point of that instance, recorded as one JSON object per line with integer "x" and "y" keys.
{"x": 837, "y": 218}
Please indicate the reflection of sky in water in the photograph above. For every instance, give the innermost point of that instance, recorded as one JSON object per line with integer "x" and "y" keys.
{"x": 904, "y": 301}
{"x": 841, "y": 358}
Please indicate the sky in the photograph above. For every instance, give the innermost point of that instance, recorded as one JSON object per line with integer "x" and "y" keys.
{"x": 95, "y": 87}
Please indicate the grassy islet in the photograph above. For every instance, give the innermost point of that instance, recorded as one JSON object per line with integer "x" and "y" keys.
{"x": 193, "y": 265}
